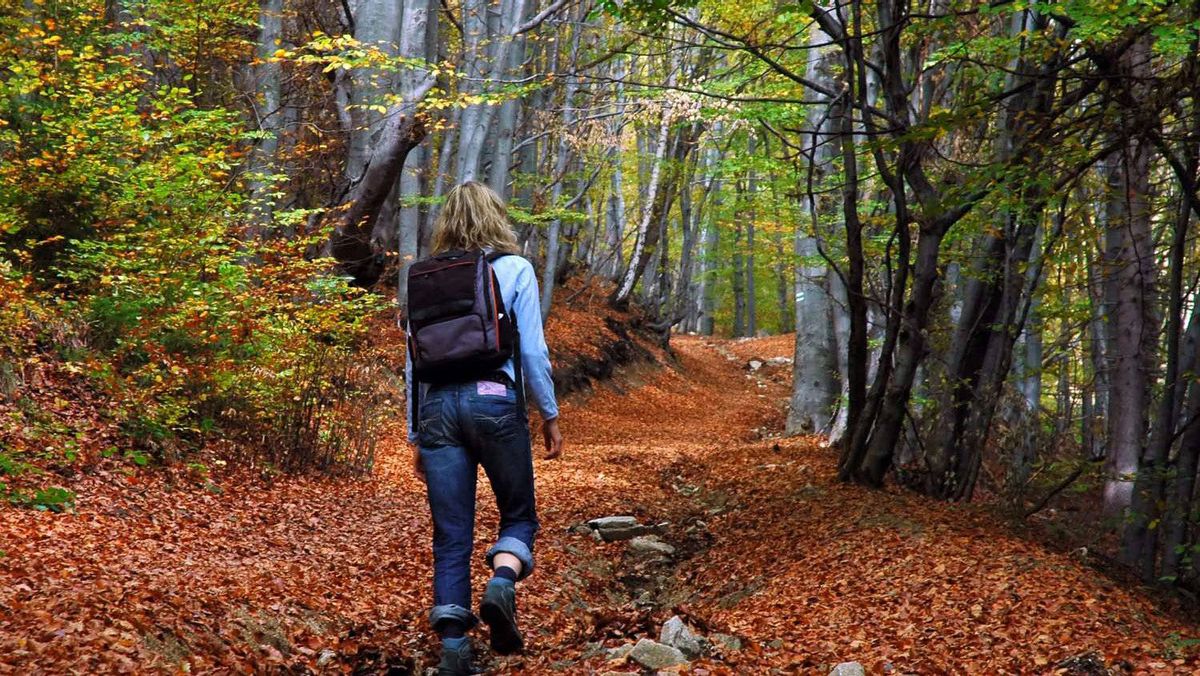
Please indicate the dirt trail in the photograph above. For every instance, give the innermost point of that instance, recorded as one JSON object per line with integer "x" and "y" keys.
{"x": 333, "y": 575}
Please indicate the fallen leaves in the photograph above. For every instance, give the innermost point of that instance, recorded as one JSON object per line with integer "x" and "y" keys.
{"x": 322, "y": 574}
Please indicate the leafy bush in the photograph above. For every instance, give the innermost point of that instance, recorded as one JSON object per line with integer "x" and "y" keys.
{"x": 125, "y": 258}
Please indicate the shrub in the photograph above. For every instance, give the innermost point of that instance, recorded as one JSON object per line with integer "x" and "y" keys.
{"x": 125, "y": 259}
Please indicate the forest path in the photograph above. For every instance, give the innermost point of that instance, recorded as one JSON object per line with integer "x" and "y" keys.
{"x": 807, "y": 571}
{"x": 324, "y": 573}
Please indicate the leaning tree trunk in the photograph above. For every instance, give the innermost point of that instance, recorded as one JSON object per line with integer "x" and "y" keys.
{"x": 403, "y": 129}
{"x": 377, "y": 24}
{"x": 634, "y": 269}
{"x": 980, "y": 354}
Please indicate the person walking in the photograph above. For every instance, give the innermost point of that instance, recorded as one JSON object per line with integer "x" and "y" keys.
{"x": 462, "y": 414}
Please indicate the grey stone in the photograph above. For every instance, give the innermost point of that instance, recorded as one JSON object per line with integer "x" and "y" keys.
{"x": 654, "y": 655}
{"x": 726, "y": 642}
{"x": 754, "y": 364}
{"x": 848, "y": 669}
{"x": 676, "y": 634}
{"x": 615, "y": 534}
{"x": 326, "y": 658}
{"x": 779, "y": 361}
{"x": 650, "y": 544}
{"x": 619, "y": 653}
{"x": 613, "y": 522}
{"x": 611, "y": 528}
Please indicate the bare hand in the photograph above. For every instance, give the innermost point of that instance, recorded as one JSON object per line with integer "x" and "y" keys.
{"x": 418, "y": 468}
{"x": 554, "y": 439}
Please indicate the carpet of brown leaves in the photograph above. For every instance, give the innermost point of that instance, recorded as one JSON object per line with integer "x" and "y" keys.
{"x": 258, "y": 574}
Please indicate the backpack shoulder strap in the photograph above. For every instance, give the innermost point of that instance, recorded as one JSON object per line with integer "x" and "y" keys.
{"x": 519, "y": 380}
{"x": 414, "y": 402}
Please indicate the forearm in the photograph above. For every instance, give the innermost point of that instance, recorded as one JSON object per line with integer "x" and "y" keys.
{"x": 539, "y": 379}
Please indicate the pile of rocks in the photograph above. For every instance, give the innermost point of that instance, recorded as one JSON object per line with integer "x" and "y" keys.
{"x": 613, "y": 528}
{"x": 677, "y": 644}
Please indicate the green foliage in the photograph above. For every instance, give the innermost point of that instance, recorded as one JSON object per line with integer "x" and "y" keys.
{"x": 1179, "y": 646}
{"x": 650, "y": 14}
{"x": 50, "y": 499}
{"x": 125, "y": 253}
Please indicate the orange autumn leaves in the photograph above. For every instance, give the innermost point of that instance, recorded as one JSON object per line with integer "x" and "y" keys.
{"x": 254, "y": 572}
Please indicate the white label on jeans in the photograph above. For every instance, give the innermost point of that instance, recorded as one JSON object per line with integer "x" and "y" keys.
{"x": 488, "y": 388}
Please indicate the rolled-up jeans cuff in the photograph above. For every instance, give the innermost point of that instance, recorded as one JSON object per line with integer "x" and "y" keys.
{"x": 511, "y": 545}
{"x": 452, "y": 612}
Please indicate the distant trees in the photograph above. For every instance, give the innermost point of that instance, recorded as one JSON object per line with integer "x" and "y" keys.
{"x": 1012, "y": 158}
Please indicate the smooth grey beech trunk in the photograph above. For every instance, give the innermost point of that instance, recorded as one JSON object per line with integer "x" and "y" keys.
{"x": 1129, "y": 285}
{"x": 751, "y": 280}
{"x": 403, "y": 127}
{"x": 614, "y": 222}
{"x": 706, "y": 301}
{"x": 644, "y": 223}
{"x": 614, "y": 206}
{"x": 691, "y": 214}
{"x": 499, "y": 173}
{"x": 377, "y": 24}
{"x": 815, "y": 386}
{"x": 489, "y": 35}
{"x": 268, "y": 115}
{"x": 562, "y": 158}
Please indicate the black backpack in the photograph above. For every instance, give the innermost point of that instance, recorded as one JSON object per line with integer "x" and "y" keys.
{"x": 458, "y": 327}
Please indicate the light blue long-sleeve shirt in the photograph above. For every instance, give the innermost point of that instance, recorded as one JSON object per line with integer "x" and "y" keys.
{"x": 519, "y": 289}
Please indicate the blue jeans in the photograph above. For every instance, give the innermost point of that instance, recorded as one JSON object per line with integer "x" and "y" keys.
{"x": 463, "y": 426}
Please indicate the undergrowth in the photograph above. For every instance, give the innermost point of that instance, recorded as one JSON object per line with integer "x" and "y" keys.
{"x": 138, "y": 319}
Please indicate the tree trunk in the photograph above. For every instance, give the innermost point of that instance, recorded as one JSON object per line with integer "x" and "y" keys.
{"x": 614, "y": 220}
{"x": 815, "y": 383}
{"x": 738, "y": 277}
{"x": 268, "y": 114}
{"x": 377, "y": 23}
{"x": 637, "y": 259}
{"x": 1129, "y": 281}
{"x": 403, "y": 129}
{"x": 550, "y": 268}
{"x": 707, "y": 297}
{"x": 752, "y": 196}
{"x": 506, "y": 124}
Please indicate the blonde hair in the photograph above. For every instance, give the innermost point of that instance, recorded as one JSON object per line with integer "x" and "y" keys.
{"x": 473, "y": 217}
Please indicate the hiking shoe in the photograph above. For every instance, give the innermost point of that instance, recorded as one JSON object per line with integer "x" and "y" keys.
{"x": 457, "y": 661}
{"x": 499, "y": 609}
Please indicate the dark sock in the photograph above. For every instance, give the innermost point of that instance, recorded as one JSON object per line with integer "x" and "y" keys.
{"x": 451, "y": 629}
{"x": 506, "y": 573}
